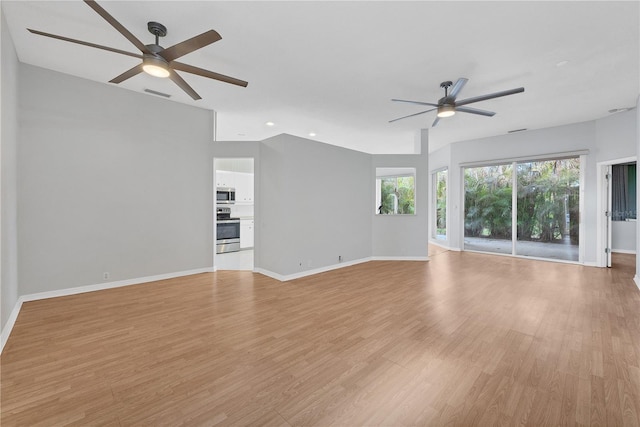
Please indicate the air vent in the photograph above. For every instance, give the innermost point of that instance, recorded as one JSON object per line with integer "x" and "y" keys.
{"x": 517, "y": 130}
{"x": 155, "y": 92}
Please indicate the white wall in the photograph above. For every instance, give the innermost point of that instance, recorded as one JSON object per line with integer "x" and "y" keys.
{"x": 404, "y": 236}
{"x": 109, "y": 181}
{"x": 8, "y": 153}
{"x": 315, "y": 205}
{"x": 608, "y": 138}
{"x": 623, "y": 236}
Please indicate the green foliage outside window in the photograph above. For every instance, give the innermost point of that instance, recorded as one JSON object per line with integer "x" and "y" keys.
{"x": 547, "y": 200}
{"x": 398, "y": 195}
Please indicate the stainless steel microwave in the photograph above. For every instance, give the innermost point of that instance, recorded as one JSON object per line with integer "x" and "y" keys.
{"x": 225, "y": 195}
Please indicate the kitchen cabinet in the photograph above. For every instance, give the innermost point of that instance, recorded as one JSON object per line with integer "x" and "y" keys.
{"x": 244, "y": 187}
{"x": 225, "y": 179}
{"x": 246, "y": 233}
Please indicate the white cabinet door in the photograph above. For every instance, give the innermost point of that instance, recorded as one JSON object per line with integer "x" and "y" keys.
{"x": 246, "y": 233}
{"x": 225, "y": 179}
{"x": 244, "y": 187}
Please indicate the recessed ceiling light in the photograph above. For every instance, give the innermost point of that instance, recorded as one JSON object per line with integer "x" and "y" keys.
{"x": 270, "y": 124}
{"x": 562, "y": 63}
{"x": 312, "y": 134}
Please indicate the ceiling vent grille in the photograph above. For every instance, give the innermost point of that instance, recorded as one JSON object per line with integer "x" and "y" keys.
{"x": 155, "y": 92}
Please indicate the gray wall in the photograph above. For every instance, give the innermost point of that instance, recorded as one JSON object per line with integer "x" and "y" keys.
{"x": 405, "y": 236}
{"x": 109, "y": 181}
{"x": 623, "y": 236}
{"x": 316, "y": 205}
{"x": 8, "y": 153}
{"x": 606, "y": 139}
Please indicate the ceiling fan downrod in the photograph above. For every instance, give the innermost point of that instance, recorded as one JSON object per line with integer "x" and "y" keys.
{"x": 157, "y": 29}
{"x": 446, "y": 85}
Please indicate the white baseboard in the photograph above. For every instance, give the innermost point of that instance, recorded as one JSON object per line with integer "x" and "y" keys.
{"x": 6, "y": 331}
{"x": 623, "y": 251}
{"x": 442, "y": 245}
{"x": 11, "y": 321}
{"x": 287, "y": 277}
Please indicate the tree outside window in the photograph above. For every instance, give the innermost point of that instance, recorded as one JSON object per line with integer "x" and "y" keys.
{"x": 395, "y": 191}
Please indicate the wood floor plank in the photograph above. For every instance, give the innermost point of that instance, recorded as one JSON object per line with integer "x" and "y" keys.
{"x": 464, "y": 339}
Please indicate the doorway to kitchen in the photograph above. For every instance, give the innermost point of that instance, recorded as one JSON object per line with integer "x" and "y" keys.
{"x": 234, "y": 189}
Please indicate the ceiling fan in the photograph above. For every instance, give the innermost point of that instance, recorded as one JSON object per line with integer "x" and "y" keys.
{"x": 448, "y": 106}
{"x": 156, "y": 60}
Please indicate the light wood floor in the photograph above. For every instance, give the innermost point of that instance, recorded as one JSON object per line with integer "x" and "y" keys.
{"x": 465, "y": 339}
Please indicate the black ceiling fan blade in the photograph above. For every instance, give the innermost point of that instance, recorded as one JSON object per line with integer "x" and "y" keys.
{"x": 475, "y": 111}
{"x": 435, "y": 122}
{"x": 206, "y": 73}
{"x": 183, "y": 85}
{"x": 457, "y": 87}
{"x": 490, "y": 96}
{"x": 97, "y": 46}
{"x": 415, "y": 102}
{"x": 188, "y": 46}
{"x": 127, "y": 74}
{"x": 117, "y": 25}
{"x": 411, "y": 115}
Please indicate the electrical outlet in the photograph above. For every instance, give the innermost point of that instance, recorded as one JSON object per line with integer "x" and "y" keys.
{"x": 339, "y": 258}
{"x": 105, "y": 275}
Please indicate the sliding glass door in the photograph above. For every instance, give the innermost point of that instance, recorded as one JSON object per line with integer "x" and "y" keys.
{"x": 548, "y": 209}
{"x": 487, "y": 205}
{"x": 533, "y": 213}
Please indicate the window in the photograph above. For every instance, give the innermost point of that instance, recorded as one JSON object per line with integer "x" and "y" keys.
{"x": 395, "y": 191}
{"x": 440, "y": 204}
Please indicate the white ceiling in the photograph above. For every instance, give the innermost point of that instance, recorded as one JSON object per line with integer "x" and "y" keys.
{"x": 332, "y": 67}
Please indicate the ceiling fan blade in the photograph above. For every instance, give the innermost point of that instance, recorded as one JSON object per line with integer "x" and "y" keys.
{"x": 127, "y": 74}
{"x": 188, "y": 46}
{"x": 184, "y": 85}
{"x": 67, "y": 39}
{"x": 415, "y": 102}
{"x": 455, "y": 90}
{"x": 475, "y": 111}
{"x": 118, "y": 26}
{"x": 435, "y": 122}
{"x": 490, "y": 96}
{"x": 411, "y": 115}
{"x": 206, "y": 73}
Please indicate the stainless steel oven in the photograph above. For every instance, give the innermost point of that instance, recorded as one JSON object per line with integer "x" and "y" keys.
{"x": 227, "y": 231}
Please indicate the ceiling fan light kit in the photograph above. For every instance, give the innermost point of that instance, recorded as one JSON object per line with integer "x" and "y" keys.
{"x": 446, "y": 111}
{"x": 155, "y": 66}
{"x": 156, "y": 60}
{"x": 447, "y": 106}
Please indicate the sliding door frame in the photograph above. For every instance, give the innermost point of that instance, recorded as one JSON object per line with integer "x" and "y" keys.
{"x": 581, "y": 154}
